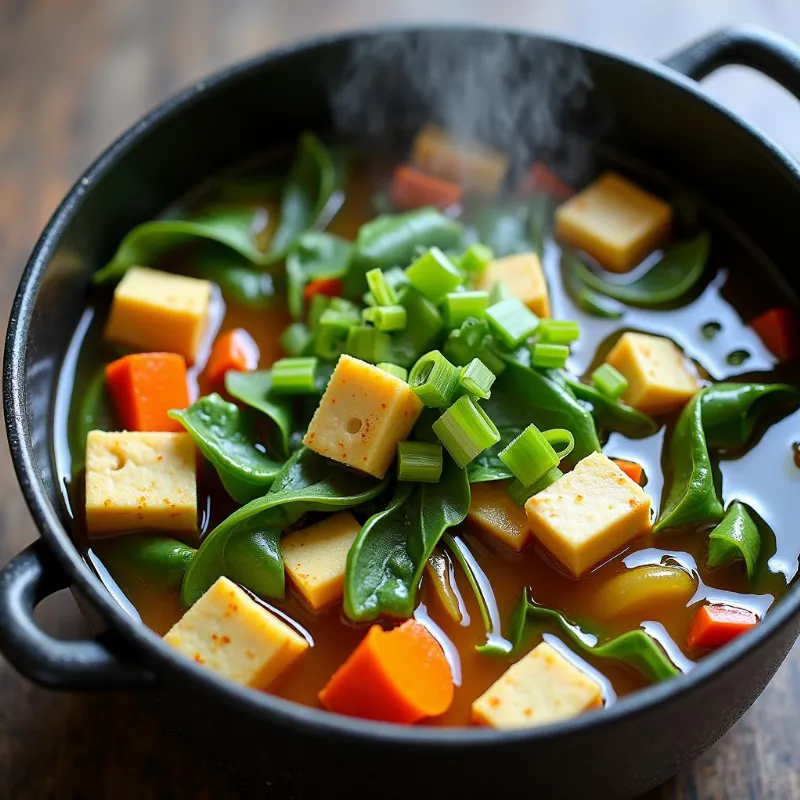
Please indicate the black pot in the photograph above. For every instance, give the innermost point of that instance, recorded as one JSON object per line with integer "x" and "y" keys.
{"x": 487, "y": 81}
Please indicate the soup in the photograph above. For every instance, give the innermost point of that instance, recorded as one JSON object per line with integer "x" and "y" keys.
{"x": 428, "y": 443}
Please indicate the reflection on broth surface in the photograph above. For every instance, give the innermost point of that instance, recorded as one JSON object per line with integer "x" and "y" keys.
{"x": 709, "y": 326}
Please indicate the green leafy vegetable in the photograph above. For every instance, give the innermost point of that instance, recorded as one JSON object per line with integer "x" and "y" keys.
{"x": 316, "y": 255}
{"x": 635, "y": 648}
{"x": 239, "y": 281}
{"x": 517, "y": 227}
{"x": 246, "y": 546}
{"x": 676, "y": 274}
{"x": 385, "y": 563}
{"x": 392, "y": 240}
{"x": 255, "y": 390}
{"x": 154, "y": 559}
{"x": 736, "y": 537}
{"x": 586, "y": 299}
{"x": 612, "y": 414}
{"x": 224, "y": 434}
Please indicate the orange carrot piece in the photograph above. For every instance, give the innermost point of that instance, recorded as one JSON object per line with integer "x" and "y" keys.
{"x": 633, "y": 470}
{"x": 398, "y": 676}
{"x": 542, "y": 180}
{"x": 778, "y": 330}
{"x": 717, "y": 624}
{"x": 144, "y": 387}
{"x": 413, "y": 189}
{"x": 330, "y": 287}
{"x": 234, "y": 350}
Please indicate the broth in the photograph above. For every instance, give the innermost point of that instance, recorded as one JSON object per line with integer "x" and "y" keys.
{"x": 764, "y": 476}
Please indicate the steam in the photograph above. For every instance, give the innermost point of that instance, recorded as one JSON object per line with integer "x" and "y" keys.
{"x": 513, "y": 92}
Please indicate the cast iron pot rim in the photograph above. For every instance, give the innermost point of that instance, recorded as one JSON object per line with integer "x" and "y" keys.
{"x": 315, "y": 720}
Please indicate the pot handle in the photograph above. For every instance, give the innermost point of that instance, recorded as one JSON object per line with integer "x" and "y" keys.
{"x": 768, "y": 53}
{"x": 98, "y": 663}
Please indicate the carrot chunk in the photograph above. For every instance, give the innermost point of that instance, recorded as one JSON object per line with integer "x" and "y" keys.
{"x": 778, "y": 330}
{"x": 633, "y": 470}
{"x": 717, "y": 624}
{"x": 144, "y": 387}
{"x": 234, "y": 350}
{"x": 542, "y": 180}
{"x": 398, "y": 676}
{"x": 413, "y": 189}
{"x": 330, "y": 287}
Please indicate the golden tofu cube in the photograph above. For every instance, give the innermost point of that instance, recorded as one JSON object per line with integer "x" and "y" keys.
{"x": 541, "y": 688}
{"x": 362, "y": 416}
{"x": 494, "y": 512}
{"x": 615, "y": 221}
{"x": 159, "y": 312}
{"x": 316, "y": 558}
{"x": 138, "y": 480}
{"x": 589, "y": 514}
{"x": 478, "y": 169}
{"x": 658, "y": 374}
{"x": 228, "y": 631}
{"x": 523, "y": 277}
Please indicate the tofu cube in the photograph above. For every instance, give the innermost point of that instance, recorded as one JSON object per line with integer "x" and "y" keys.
{"x": 541, "y": 688}
{"x": 362, "y": 416}
{"x": 494, "y": 512}
{"x": 589, "y": 514}
{"x": 137, "y": 481}
{"x": 523, "y": 276}
{"x": 659, "y": 376}
{"x": 156, "y": 311}
{"x": 316, "y": 558}
{"x": 228, "y": 631}
{"x": 614, "y": 221}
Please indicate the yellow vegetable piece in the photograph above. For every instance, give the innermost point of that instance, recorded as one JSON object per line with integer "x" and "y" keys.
{"x": 497, "y": 515}
{"x": 478, "y": 169}
{"x": 658, "y": 374}
{"x": 643, "y": 590}
{"x": 362, "y": 416}
{"x": 589, "y": 514}
{"x": 316, "y": 558}
{"x": 228, "y": 631}
{"x": 543, "y": 687}
{"x": 159, "y": 312}
{"x": 524, "y": 278}
{"x": 615, "y": 221}
{"x": 139, "y": 480}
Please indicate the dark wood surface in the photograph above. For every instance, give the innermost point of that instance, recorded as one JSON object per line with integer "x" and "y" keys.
{"x": 74, "y": 74}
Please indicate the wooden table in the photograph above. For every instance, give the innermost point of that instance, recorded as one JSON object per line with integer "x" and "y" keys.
{"x": 74, "y": 74}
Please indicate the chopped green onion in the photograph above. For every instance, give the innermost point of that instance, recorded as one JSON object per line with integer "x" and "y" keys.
{"x": 549, "y": 355}
{"x": 394, "y": 369}
{"x": 332, "y": 330}
{"x": 499, "y": 292}
{"x": 610, "y": 381}
{"x": 419, "y": 461}
{"x": 386, "y": 318}
{"x": 512, "y": 321}
{"x": 561, "y": 440}
{"x": 434, "y": 275}
{"x": 473, "y": 340}
{"x": 295, "y": 338}
{"x": 318, "y": 305}
{"x": 418, "y": 337}
{"x": 396, "y": 278}
{"x": 434, "y": 380}
{"x": 380, "y": 288}
{"x": 465, "y": 430}
{"x": 368, "y": 299}
{"x": 368, "y": 344}
{"x": 294, "y": 376}
{"x": 529, "y": 456}
{"x": 460, "y": 306}
{"x": 475, "y": 258}
{"x": 520, "y": 493}
{"x": 476, "y": 379}
{"x": 558, "y": 331}
{"x": 346, "y": 309}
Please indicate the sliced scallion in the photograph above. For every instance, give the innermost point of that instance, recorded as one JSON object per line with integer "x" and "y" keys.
{"x": 434, "y": 275}
{"x": 294, "y": 376}
{"x": 529, "y": 456}
{"x": 295, "y": 338}
{"x": 419, "y": 461}
{"x": 475, "y": 258}
{"x": 476, "y": 379}
{"x": 549, "y": 356}
{"x": 465, "y": 430}
{"x": 558, "y": 331}
{"x": 386, "y": 318}
{"x": 380, "y": 288}
{"x": 434, "y": 380}
{"x": 521, "y": 493}
{"x": 394, "y": 369}
{"x": 610, "y": 381}
{"x": 460, "y": 306}
{"x": 561, "y": 440}
{"x": 332, "y": 330}
{"x": 511, "y": 321}
{"x": 368, "y": 344}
